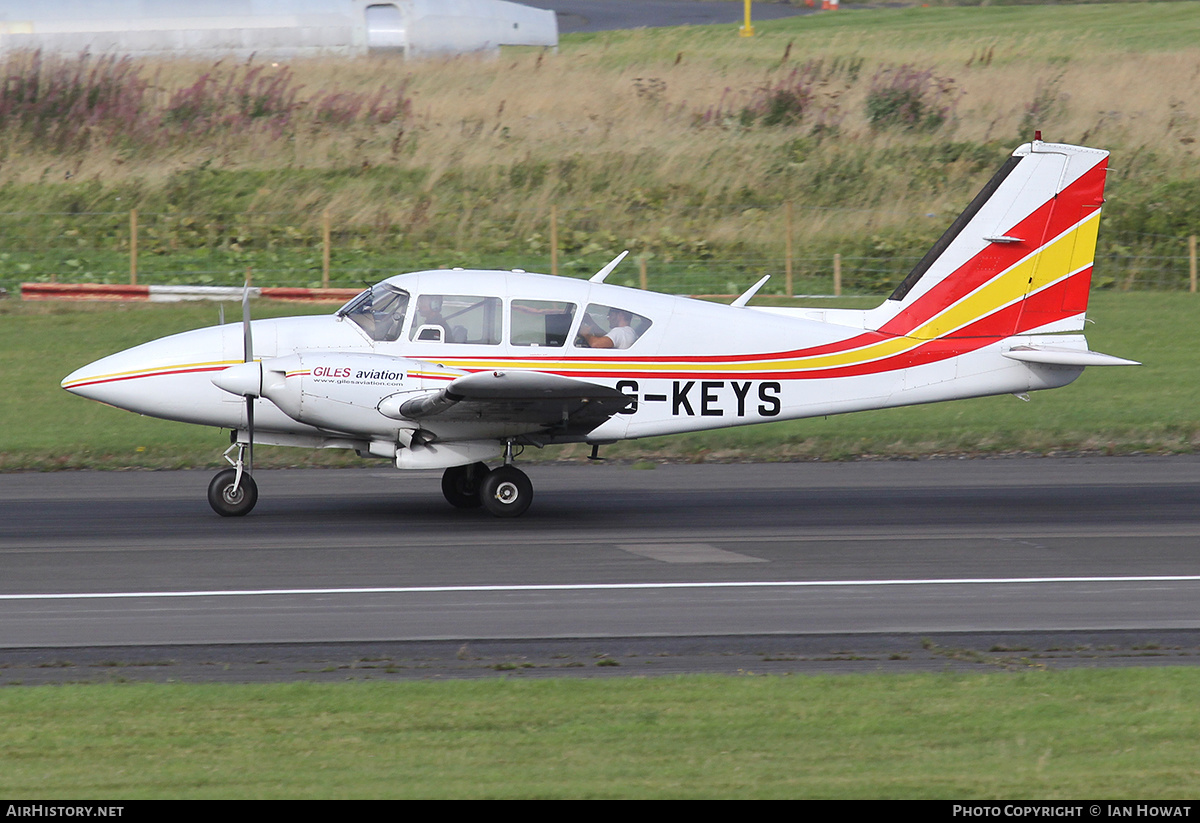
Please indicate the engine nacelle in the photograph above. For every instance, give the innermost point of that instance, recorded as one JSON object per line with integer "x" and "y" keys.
{"x": 341, "y": 391}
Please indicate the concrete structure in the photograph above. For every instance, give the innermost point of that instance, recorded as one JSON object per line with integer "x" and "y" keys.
{"x": 270, "y": 28}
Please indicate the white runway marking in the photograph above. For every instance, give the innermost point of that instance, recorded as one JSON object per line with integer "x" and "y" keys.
{"x": 761, "y": 584}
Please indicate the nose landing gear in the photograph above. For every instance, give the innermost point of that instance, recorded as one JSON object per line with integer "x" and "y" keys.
{"x": 233, "y": 492}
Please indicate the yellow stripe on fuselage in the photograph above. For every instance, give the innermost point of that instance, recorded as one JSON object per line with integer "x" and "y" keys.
{"x": 1068, "y": 253}
{"x": 157, "y": 370}
{"x": 862, "y": 354}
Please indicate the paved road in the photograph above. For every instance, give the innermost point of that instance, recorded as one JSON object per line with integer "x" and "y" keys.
{"x": 608, "y": 553}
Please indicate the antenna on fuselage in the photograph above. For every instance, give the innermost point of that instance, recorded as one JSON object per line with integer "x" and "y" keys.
{"x": 599, "y": 276}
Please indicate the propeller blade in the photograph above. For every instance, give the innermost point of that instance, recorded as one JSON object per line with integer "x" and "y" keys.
{"x": 248, "y": 357}
{"x": 250, "y": 434}
{"x": 247, "y": 339}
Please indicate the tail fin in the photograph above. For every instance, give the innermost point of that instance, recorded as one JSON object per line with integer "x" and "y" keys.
{"x": 1017, "y": 261}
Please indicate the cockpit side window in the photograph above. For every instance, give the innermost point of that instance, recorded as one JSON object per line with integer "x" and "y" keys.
{"x": 610, "y": 327}
{"x": 380, "y": 310}
{"x": 457, "y": 318}
{"x": 541, "y": 322}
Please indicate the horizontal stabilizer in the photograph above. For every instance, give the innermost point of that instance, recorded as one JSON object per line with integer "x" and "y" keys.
{"x": 1059, "y": 356}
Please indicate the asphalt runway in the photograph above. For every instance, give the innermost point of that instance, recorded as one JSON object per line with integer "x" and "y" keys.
{"x": 790, "y": 566}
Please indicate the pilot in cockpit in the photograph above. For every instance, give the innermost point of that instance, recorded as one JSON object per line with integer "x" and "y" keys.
{"x": 620, "y": 336}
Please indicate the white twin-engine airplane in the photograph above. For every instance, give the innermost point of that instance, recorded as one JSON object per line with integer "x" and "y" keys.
{"x": 446, "y": 369}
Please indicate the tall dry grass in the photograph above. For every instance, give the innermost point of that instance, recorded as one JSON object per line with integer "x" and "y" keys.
{"x": 646, "y": 139}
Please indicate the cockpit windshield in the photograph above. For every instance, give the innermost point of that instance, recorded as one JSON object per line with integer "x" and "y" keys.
{"x": 379, "y": 310}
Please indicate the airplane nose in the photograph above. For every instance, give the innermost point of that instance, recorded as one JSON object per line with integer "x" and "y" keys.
{"x": 168, "y": 377}
{"x": 103, "y": 380}
{"x": 77, "y": 381}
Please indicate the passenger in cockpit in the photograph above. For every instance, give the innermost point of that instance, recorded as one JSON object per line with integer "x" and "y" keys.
{"x": 430, "y": 308}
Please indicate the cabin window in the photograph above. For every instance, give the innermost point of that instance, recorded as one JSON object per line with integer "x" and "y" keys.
{"x": 456, "y": 318}
{"x": 610, "y": 327}
{"x": 542, "y": 323}
{"x": 379, "y": 311}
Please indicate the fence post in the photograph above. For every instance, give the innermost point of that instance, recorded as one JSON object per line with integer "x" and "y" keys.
{"x": 133, "y": 238}
{"x": 837, "y": 275}
{"x": 787, "y": 264}
{"x": 642, "y": 273}
{"x": 1192, "y": 260}
{"x": 325, "y": 249}
{"x": 554, "y": 240}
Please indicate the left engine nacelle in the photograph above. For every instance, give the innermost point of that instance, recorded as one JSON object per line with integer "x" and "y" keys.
{"x": 339, "y": 391}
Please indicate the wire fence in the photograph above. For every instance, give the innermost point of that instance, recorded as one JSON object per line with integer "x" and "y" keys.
{"x": 294, "y": 250}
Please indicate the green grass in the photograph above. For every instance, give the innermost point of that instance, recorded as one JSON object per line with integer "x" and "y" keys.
{"x": 1116, "y": 733}
{"x": 1137, "y": 26}
{"x": 1151, "y": 408}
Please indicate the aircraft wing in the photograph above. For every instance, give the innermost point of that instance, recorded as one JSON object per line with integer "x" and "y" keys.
{"x": 538, "y": 399}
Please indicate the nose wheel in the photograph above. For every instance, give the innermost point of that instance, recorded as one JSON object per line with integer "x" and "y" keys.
{"x": 230, "y": 495}
{"x": 233, "y": 492}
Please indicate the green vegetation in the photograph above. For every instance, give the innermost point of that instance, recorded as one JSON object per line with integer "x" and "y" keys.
{"x": 1115, "y": 733}
{"x": 1151, "y": 408}
{"x": 683, "y": 145}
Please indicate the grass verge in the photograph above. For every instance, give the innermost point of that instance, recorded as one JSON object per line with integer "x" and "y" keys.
{"x": 1115, "y": 733}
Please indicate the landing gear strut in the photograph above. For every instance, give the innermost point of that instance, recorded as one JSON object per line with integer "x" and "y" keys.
{"x": 233, "y": 492}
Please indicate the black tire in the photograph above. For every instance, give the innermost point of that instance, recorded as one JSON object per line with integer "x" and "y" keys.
{"x": 229, "y": 500}
{"x": 506, "y": 492}
{"x": 460, "y": 485}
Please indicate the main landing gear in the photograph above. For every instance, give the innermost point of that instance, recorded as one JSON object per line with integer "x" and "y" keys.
{"x": 504, "y": 492}
{"x": 460, "y": 485}
{"x": 233, "y": 492}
